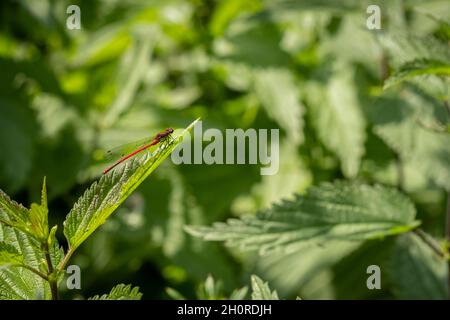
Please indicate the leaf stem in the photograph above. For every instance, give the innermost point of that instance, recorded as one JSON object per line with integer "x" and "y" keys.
{"x": 430, "y": 242}
{"x": 64, "y": 262}
{"x": 51, "y": 276}
{"x": 40, "y": 274}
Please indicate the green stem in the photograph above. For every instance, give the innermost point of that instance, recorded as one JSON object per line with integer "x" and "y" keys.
{"x": 430, "y": 242}
{"x": 40, "y": 274}
{"x": 64, "y": 262}
{"x": 53, "y": 281}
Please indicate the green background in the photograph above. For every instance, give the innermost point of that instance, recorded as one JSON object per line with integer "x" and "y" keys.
{"x": 310, "y": 68}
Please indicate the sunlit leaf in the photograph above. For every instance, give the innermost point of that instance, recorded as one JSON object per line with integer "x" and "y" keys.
{"x": 105, "y": 196}
{"x": 279, "y": 95}
{"x": 338, "y": 118}
{"x": 261, "y": 290}
{"x": 417, "y": 68}
{"x": 339, "y": 211}
{"x": 120, "y": 292}
{"x": 9, "y": 255}
{"x": 17, "y": 282}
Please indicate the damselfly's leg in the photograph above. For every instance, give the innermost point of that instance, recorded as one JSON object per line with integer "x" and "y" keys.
{"x": 167, "y": 141}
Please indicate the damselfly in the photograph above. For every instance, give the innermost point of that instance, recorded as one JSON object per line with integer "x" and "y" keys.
{"x": 123, "y": 151}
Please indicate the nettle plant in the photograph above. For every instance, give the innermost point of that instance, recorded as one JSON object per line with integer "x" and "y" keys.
{"x": 32, "y": 263}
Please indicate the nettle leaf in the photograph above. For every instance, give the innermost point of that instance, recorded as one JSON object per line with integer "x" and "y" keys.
{"x": 261, "y": 290}
{"x": 33, "y": 222}
{"x": 416, "y": 271}
{"x": 39, "y": 216}
{"x": 410, "y": 51}
{"x": 431, "y": 156}
{"x": 9, "y": 255}
{"x": 105, "y": 44}
{"x": 402, "y": 126}
{"x": 211, "y": 289}
{"x": 338, "y": 119}
{"x": 134, "y": 69}
{"x": 279, "y": 95}
{"x": 299, "y": 271}
{"x": 403, "y": 48}
{"x": 332, "y": 211}
{"x": 239, "y": 294}
{"x": 17, "y": 282}
{"x": 253, "y": 43}
{"x": 416, "y": 68}
{"x": 105, "y": 196}
{"x": 14, "y": 214}
{"x": 120, "y": 292}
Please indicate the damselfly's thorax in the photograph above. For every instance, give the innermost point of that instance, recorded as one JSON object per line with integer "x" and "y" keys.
{"x": 165, "y": 133}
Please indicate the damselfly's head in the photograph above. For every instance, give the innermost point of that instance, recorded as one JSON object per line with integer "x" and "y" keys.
{"x": 169, "y": 130}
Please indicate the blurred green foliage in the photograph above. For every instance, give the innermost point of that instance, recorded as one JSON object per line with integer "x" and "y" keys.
{"x": 310, "y": 68}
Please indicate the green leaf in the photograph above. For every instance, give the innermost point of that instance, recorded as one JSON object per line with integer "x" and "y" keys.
{"x": 239, "y": 294}
{"x": 53, "y": 115}
{"x": 102, "y": 45}
{"x": 416, "y": 68}
{"x": 105, "y": 196}
{"x": 401, "y": 126}
{"x": 9, "y": 255}
{"x": 210, "y": 289}
{"x": 17, "y": 282}
{"x": 225, "y": 12}
{"x": 416, "y": 271}
{"x": 261, "y": 290}
{"x": 332, "y": 211}
{"x": 136, "y": 66}
{"x": 338, "y": 119}
{"x": 403, "y": 48}
{"x": 120, "y": 292}
{"x": 39, "y": 216}
{"x": 293, "y": 176}
{"x": 305, "y": 271}
{"x": 14, "y": 214}
{"x": 279, "y": 95}
{"x": 252, "y": 43}
{"x": 33, "y": 222}
{"x": 350, "y": 272}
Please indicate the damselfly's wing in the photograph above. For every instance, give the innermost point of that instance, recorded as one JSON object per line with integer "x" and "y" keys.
{"x": 122, "y": 150}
